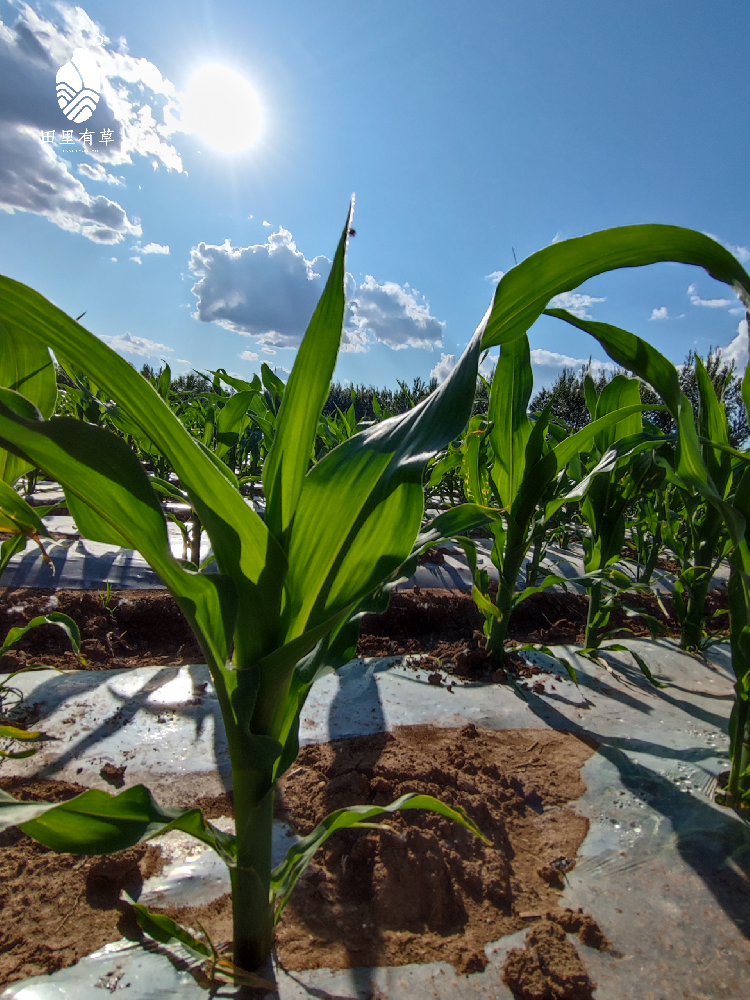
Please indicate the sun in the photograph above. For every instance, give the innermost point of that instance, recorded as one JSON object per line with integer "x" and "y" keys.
{"x": 222, "y": 107}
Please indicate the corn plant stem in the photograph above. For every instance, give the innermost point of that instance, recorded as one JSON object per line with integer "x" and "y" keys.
{"x": 593, "y": 638}
{"x": 196, "y": 529}
{"x": 252, "y": 914}
{"x": 692, "y": 625}
{"x": 705, "y": 552}
{"x": 515, "y": 550}
{"x": 739, "y": 780}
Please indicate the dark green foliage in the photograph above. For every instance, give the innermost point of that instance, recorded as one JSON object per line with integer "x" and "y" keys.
{"x": 341, "y": 397}
{"x": 567, "y": 396}
{"x": 569, "y": 402}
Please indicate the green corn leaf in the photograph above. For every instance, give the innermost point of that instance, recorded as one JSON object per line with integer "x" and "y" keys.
{"x": 485, "y": 605}
{"x": 238, "y": 383}
{"x": 243, "y": 545}
{"x": 13, "y": 733}
{"x": 284, "y": 877}
{"x": 511, "y": 427}
{"x": 638, "y": 356}
{"x": 336, "y": 561}
{"x": 96, "y": 822}
{"x": 62, "y": 621}
{"x": 565, "y": 664}
{"x": 9, "y": 548}
{"x": 163, "y": 929}
{"x": 230, "y": 419}
{"x": 168, "y": 489}
{"x": 25, "y": 367}
{"x": 523, "y": 292}
{"x": 541, "y": 474}
{"x": 642, "y": 665}
{"x": 115, "y": 495}
{"x": 712, "y": 424}
{"x": 618, "y": 393}
{"x": 19, "y": 512}
{"x": 303, "y": 398}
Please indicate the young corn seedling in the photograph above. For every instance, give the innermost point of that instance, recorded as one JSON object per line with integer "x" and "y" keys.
{"x": 696, "y": 532}
{"x": 526, "y": 463}
{"x": 279, "y": 611}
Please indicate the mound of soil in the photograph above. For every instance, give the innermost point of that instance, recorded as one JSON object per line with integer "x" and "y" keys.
{"x": 548, "y": 967}
{"x": 145, "y": 627}
{"x": 422, "y": 888}
{"x": 123, "y": 629}
{"x": 59, "y": 907}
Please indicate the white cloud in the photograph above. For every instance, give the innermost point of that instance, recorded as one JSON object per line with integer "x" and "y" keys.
{"x": 137, "y": 259}
{"x": 270, "y": 290}
{"x": 34, "y": 179}
{"x": 268, "y": 350}
{"x": 696, "y": 300}
{"x": 393, "y": 314}
{"x": 249, "y": 356}
{"x": 96, "y": 172}
{"x": 577, "y": 303}
{"x": 141, "y": 346}
{"x": 265, "y": 223}
{"x": 659, "y": 313}
{"x": 114, "y": 259}
{"x": 494, "y": 277}
{"x": 737, "y": 349}
{"x": 154, "y": 248}
{"x": 444, "y": 367}
{"x": 282, "y": 373}
{"x": 137, "y": 105}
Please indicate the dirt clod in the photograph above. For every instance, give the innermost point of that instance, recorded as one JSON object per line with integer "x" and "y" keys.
{"x": 548, "y": 967}
{"x": 114, "y": 776}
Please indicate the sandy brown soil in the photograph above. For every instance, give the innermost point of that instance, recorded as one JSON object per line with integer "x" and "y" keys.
{"x": 424, "y": 890}
{"x": 142, "y": 627}
{"x": 56, "y": 908}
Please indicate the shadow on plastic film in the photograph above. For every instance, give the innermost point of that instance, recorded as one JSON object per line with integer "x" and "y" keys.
{"x": 364, "y": 689}
{"x": 716, "y": 846}
{"x": 130, "y": 706}
{"x": 634, "y": 676}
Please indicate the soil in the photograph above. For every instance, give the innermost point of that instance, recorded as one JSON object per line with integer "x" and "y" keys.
{"x": 422, "y": 890}
{"x": 425, "y": 889}
{"x": 145, "y": 627}
{"x": 132, "y": 629}
{"x": 547, "y": 968}
{"x": 59, "y": 907}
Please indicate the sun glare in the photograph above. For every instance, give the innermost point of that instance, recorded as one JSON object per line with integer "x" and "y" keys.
{"x": 222, "y": 108}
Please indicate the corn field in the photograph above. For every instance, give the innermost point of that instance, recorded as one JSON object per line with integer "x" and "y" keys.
{"x": 646, "y": 475}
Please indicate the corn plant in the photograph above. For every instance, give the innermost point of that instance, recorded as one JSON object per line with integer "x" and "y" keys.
{"x": 281, "y": 607}
{"x": 527, "y": 462}
{"x": 695, "y": 531}
{"x": 694, "y": 474}
{"x": 623, "y": 471}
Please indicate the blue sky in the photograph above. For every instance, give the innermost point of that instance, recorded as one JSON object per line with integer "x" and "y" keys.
{"x": 466, "y": 131}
